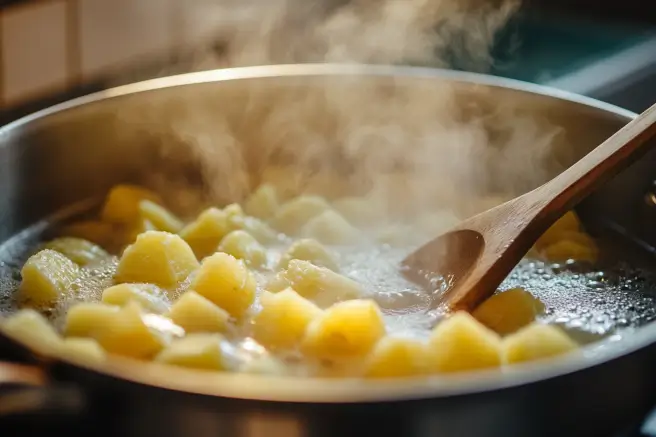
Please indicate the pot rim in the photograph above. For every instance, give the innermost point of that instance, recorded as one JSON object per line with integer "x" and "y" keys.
{"x": 349, "y": 390}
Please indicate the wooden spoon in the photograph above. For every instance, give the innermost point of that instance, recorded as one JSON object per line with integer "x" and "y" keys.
{"x": 469, "y": 262}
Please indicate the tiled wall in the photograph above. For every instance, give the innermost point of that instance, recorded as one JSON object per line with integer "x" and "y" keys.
{"x": 50, "y": 46}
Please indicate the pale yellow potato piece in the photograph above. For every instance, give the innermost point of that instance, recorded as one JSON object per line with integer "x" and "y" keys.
{"x": 292, "y": 215}
{"x": 32, "y": 329}
{"x": 394, "y": 357}
{"x": 265, "y": 365}
{"x": 263, "y": 202}
{"x": 319, "y": 284}
{"x": 95, "y": 231}
{"x": 195, "y": 313}
{"x": 462, "y": 343}
{"x": 161, "y": 218}
{"x": 46, "y": 276}
{"x": 206, "y": 232}
{"x": 237, "y": 220}
{"x": 534, "y": 342}
{"x": 330, "y": 227}
{"x": 82, "y": 349}
{"x": 309, "y": 249}
{"x": 244, "y": 246}
{"x": 149, "y": 296}
{"x": 362, "y": 212}
{"x": 283, "y": 319}
{"x": 158, "y": 258}
{"x": 80, "y": 251}
{"x": 198, "y": 351}
{"x": 508, "y": 311}
{"x": 227, "y": 282}
{"x": 567, "y": 249}
{"x": 122, "y": 203}
{"x": 567, "y": 223}
{"x": 89, "y": 319}
{"x": 345, "y": 330}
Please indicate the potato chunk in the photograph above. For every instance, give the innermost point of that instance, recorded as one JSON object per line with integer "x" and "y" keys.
{"x": 32, "y": 329}
{"x": 536, "y": 341}
{"x": 95, "y": 231}
{"x": 161, "y": 218}
{"x": 567, "y": 249}
{"x": 78, "y": 250}
{"x": 46, "y": 276}
{"x": 567, "y": 223}
{"x": 242, "y": 245}
{"x": 330, "y": 227}
{"x": 509, "y": 311}
{"x": 283, "y": 319}
{"x": 122, "y": 203}
{"x": 149, "y": 296}
{"x": 226, "y": 281}
{"x": 198, "y": 351}
{"x": 292, "y": 215}
{"x": 158, "y": 258}
{"x": 88, "y": 319}
{"x": 83, "y": 349}
{"x": 237, "y": 220}
{"x": 262, "y": 203}
{"x": 345, "y": 330}
{"x": 461, "y": 343}
{"x": 398, "y": 357}
{"x": 195, "y": 313}
{"x": 206, "y": 232}
{"x": 311, "y": 250}
{"x": 319, "y": 284}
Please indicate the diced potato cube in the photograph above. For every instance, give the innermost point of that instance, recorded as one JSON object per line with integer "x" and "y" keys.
{"x": 311, "y": 250}
{"x": 462, "y": 343}
{"x": 128, "y": 234}
{"x": 536, "y": 341}
{"x": 97, "y": 232}
{"x": 31, "y": 328}
{"x": 331, "y": 228}
{"x": 292, "y": 215}
{"x": 82, "y": 349}
{"x": 265, "y": 365}
{"x": 361, "y": 212}
{"x": 158, "y": 258}
{"x": 568, "y": 222}
{"x": 149, "y": 296}
{"x": 283, "y": 319}
{"x": 195, "y": 313}
{"x": 198, "y": 351}
{"x": 89, "y": 319}
{"x": 567, "y": 249}
{"x": 319, "y": 284}
{"x": 345, "y": 330}
{"x": 242, "y": 245}
{"x": 509, "y": 311}
{"x": 262, "y": 203}
{"x": 206, "y": 232}
{"x": 226, "y": 281}
{"x": 237, "y": 220}
{"x": 398, "y": 357}
{"x": 78, "y": 250}
{"x": 161, "y": 218}
{"x": 46, "y": 276}
{"x": 122, "y": 203}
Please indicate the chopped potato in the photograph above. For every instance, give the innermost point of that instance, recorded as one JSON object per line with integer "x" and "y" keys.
{"x": 509, "y": 311}
{"x": 462, "y": 343}
{"x": 265, "y": 365}
{"x": 206, "y": 232}
{"x": 398, "y": 357}
{"x": 94, "y": 231}
{"x": 319, "y": 284}
{"x": 282, "y": 321}
{"x": 262, "y": 203}
{"x": 149, "y": 296}
{"x": 78, "y": 250}
{"x": 83, "y": 349}
{"x": 237, "y": 220}
{"x": 31, "y": 328}
{"x": 194, "y": 313}
{"x": 311, "y": 250}
{"x": 227, "y": 282}
{"x": 198, "y": 351}
{"x": 567, "y": 249}
{"x": 292, "y": 215}
{"x": 330, "y": 227}
{"x": 89, "y": 319}
{"x": 536, "y": 341}
{"x": 161, "y": 218}
{"x": 567, "y": 223}
{"x": 156, "y": 257}
{"x": 122, "y": 203}
{"x": 46, "y": 276}
{"x": 345, "y": 330}
{"x": 244, "y": 246}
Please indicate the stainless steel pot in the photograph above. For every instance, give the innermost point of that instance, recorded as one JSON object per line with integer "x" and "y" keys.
{"x": 76, "y": 151}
